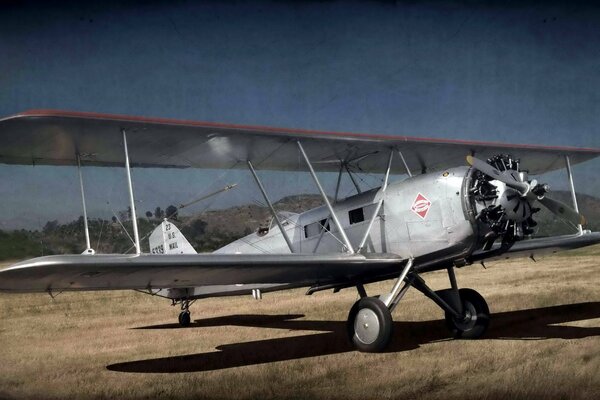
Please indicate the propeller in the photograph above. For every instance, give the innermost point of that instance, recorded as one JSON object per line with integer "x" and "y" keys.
{"x": 562, "y": 210}
{"x": 532, "y": 191}
{"x": 506, "y": 177}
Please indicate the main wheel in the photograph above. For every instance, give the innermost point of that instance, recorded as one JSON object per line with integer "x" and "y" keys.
{"x": 370, "y": 325}
{"x": 185, "y": 318}
{"x": 476, "y": 316}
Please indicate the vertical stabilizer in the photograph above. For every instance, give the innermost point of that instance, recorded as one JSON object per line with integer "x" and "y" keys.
{"x": 167, "y": 239}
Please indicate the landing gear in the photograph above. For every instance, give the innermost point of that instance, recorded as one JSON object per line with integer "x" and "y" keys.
{"x": 185, "y": 318}
{"x": 475, "y": 319}
{"x": 370, "y": 322}
{"x": 370, "y": 325}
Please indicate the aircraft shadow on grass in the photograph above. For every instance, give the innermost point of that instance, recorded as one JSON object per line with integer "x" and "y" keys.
{"x": 532, "y": 324}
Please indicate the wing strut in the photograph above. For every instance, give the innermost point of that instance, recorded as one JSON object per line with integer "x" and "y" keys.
{"x": 136, "y": 236}
{"x": 352, "y": 179}
{"x": 405, "y": 164}
{"x": 337, "y": 185}
{"x": 273, "y": 213}
{"x": 326, "y": 200}
{"x": 572, "y": 187}
{"x": 88, "y": 247}
{"x": 335, "y": 199}
{"x": 379, "y": 203}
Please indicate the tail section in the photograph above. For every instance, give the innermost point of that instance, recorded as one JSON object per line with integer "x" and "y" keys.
{"x": 167, "y": 239}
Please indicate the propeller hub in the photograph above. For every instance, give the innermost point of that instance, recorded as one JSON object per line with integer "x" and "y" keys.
{"x": 516, "y": 208}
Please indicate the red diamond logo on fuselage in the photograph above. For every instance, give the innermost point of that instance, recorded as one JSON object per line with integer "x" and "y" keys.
{"x": 421, "y": 206}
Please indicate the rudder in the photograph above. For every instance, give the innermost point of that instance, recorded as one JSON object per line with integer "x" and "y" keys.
{"x": 167, "y": 239}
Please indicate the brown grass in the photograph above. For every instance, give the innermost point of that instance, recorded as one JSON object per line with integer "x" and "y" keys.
{"x": 544, "y": 342}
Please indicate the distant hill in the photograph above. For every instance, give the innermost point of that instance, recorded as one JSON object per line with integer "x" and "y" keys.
{"x": 247, "y": 218}
{"x": 213, "y": 229}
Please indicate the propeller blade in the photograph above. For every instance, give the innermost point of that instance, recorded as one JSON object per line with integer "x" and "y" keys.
{"x": 562, "y": 210}
{"x": 496, "y": 174}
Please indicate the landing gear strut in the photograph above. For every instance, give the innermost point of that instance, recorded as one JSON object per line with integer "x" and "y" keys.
{"x": 370, "y": 324}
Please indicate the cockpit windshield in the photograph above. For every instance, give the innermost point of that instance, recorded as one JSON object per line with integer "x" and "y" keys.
{"x": 285, "y": 217}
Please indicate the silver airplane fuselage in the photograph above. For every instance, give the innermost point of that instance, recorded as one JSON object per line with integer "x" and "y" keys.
{"x": 420, "y": 216}
{"x": 429, "y": 217}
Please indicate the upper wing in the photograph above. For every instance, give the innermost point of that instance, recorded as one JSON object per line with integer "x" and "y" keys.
{"x": 54, "y": 137}
{"x": 147, "y": 271}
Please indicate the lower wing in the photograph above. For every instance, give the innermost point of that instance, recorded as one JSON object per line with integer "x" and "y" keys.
{"x": 148, "y": 271}
{"x": 539, "y": 246}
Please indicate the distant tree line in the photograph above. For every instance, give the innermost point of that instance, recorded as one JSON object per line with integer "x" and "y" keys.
{"x": 106, "y": 235}
{"x": 171, "y": 212}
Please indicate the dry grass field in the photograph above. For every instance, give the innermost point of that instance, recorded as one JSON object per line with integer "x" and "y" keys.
{"x": 544, "y": 342}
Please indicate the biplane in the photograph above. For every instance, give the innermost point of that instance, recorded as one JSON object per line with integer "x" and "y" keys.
{"x": 459, "y": 203}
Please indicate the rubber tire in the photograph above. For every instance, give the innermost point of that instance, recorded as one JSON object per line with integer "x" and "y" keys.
{"x": 185, "y": 319}
{"x": 470, "y": 299}
{"x": 384, "y": 318}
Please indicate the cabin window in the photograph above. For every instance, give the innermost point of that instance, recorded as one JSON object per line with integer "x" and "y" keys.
{"x": 357, "y": 215}
{"x": 315, "y": 228}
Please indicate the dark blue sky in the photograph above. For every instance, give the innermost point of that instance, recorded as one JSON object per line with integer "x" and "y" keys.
{"x": 505, "y": 71}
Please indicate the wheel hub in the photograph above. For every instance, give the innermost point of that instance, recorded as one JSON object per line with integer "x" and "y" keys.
{"x": 366, "y": 326}
{"x": 469, "y": 318}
